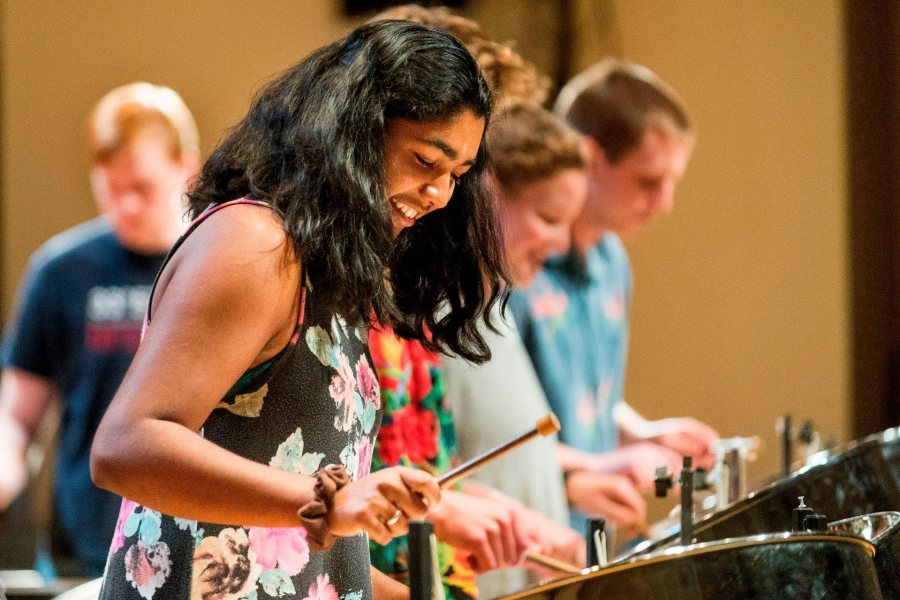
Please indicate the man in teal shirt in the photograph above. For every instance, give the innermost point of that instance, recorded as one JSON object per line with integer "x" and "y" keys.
{"x": 574, "y": 318}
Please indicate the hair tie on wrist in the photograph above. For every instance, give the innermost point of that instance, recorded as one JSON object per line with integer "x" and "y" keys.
{"x": 313, "y": 514}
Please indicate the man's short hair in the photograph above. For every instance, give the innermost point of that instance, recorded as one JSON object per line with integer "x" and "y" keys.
{"x": 140, "y": 109}
{"x": 616, "y": 102}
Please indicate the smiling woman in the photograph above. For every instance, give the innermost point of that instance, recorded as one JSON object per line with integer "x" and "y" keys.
{"x": 425, "y": 161}
{"x": 254, "y": 367}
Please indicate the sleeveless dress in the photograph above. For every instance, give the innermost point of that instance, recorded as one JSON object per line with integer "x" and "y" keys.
{"x": 314, "y": 404}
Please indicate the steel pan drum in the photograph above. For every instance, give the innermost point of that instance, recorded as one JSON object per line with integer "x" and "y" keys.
{"x": 787, "y": 566}
{"x": 85, "y": 591}
{"x": 862, "y": 478}
{"x": 30, "y": 585}
{"x": 883, "y": 531}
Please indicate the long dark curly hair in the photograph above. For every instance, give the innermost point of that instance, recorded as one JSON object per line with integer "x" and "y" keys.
{"x": 312, "y": 146}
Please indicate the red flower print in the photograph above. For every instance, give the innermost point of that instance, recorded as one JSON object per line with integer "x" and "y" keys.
{"x": 412, "y": 432}
{"x": 342, "y": 388}
{"x": 284, "y": 546}
{"x": 550, "y": 305}
{"x": 322, "y": 589}
{"x": 125, "y": 509}
{"x": 365, "y": 458}
{"x": 420, "y": 361}
{"x": 367, "y": 383}
{"x": 147, "y": 567}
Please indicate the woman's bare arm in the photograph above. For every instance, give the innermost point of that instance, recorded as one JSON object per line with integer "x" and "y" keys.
{"x": 228, "y": 302}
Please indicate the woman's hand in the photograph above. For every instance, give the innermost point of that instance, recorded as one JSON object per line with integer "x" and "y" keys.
{"x": 685, "y": 436}
{"x": 638, "y": 462}
{"x": 614, "y": 497}
{"x": 551, "y": 538}
{"x": 486, "y": 527}
{"x": 370, "y": 504}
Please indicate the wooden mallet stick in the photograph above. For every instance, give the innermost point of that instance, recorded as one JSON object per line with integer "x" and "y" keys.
{"x": 554, "y": 564}
{"x": 545, "y": 426}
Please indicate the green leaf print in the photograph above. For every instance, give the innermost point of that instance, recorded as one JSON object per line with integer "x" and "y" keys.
{"x": 147, "y": 522}
{"x": 276, "y": 582}
{"x": 320, "y": 343}
{"x": 185, "y": 524}
{"x": 132, "y": 524}
{"x": 290, "y": 456}
{"x": 247, "y": 405}
{"x": 365, "y": 411}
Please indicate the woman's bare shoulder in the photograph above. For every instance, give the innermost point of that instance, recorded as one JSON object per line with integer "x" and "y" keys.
{"x": 239, "y": 258}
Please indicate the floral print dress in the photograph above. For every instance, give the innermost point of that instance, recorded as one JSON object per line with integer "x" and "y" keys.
{"x": 417, "y": 432}
{"x": 316, "y": 403}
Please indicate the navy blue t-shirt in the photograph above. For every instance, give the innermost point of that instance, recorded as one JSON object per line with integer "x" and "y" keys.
{"x": 78, "y": 324}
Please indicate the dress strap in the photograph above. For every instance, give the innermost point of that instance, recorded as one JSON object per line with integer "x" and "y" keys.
{"x": 194, "y": 224}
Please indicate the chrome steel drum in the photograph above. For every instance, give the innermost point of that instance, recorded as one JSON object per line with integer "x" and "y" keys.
{"x": 85, "y": 591}
{"x": 861, "y": 478}
{"x": 883, "y": 531}
{"x": 30, "y": 585}
{"x": 787, "y": 566}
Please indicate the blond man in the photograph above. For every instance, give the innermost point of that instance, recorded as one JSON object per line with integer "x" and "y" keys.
{"x": 78, "y": 321}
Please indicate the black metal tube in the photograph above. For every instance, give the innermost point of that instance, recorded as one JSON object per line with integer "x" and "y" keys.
{"x": 687, "y": 501}
{"x": 420, "y": 579}
{"x": 786, "y": 450}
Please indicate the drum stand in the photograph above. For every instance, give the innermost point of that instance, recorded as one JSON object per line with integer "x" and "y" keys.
{"x": 424, "y": 571}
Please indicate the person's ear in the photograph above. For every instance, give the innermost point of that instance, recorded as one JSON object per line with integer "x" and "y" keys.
{"x": 493, "y": 186}
{"x": 595, "y": 152}
{"x": 190, "y": 160}
{"x": 99, "y": 187}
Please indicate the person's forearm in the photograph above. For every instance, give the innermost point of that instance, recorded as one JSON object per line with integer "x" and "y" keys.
{"x": 13, "y": 474}
{"x": 571, "y": 459}
{"x": 632, "y": 426}
{"x": 473, "y": 488}
{"x": 169, "y": 468}
{"x": 24, "y": 400}
{"x": 387, "y": 588}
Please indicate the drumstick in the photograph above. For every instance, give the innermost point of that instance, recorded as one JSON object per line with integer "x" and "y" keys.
{"x": 545, "y": 426}
{"x": 552, "y": 563}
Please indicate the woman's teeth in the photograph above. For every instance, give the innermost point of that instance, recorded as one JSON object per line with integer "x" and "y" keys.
{"x": 405, "y": 210}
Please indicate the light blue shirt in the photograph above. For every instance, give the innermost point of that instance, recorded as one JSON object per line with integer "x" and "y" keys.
{"x": 574, "y": 322}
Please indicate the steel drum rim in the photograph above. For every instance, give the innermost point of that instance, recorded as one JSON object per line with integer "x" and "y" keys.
{"x": 830, "y": 457}
{"x": 824, "y": 456}
{"x": 890, "y": 530}
{"x": 678, "y": 552}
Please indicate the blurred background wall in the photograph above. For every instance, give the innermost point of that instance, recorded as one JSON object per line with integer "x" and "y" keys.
{"x": 742, "y": 298}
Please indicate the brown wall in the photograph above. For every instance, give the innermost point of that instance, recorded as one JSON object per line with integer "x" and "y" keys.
{"x": 741, "y": 300}
{"x": 740, "y": 311}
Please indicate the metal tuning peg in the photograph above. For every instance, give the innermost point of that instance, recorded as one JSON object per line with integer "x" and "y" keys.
{"x": 687, "y": 500}
{"x": 701, "y": 479}
{"x": 784, "y": 427}
{"x": 663, "y": 482}
{"x": 816, "y": 523}
{"x": 799, "y": 515}
{"x": 807, "y": 433}
{"x": 596, "y": 543}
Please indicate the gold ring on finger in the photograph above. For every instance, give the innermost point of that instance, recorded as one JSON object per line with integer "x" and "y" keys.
{"x": 395, "y": 518}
